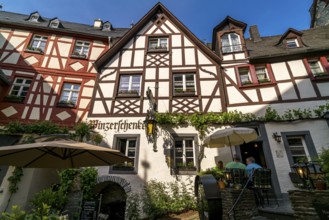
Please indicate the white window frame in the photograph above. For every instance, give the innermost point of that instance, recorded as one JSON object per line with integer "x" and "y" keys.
{"x": 246, "y": 72}
{"x": 22, "y": 86}
{"x": 159, "y": 44}
{"x": 126, "y": 167}
{"x": 292, "y": 43}
{"x": 231, "y": 46}
{"x": 184, "y": 83}
{"x": 71, "y": 91}
{"x": 262, "y": 74}
{"x": 129, "y": 90}
{"x": 302, "y": 145}
{"x": 315, "y": 69}
{"x": 184, "y": 150}
{"x": 39, "y": 39}
{"x": 54, "y": 24}
{"x": 34, "y": 18}
{"x": 79, "y": 48}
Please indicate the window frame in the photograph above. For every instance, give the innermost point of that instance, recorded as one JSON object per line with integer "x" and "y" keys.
{"x": 129, "y": 92}
{"x": 231, "y": 44}
{"x": 184, "y": 170}
{"x": 37, "y": 49}
{"x": 292, "y": 40}
{"x": 122, "y": 170}
{"x": 184, "y": 91}
{"x": 323, "y": 64}
{"x": 309, "y": 145}
{"x": 158, "y": 48}
{"x": 80, "y": 54}
{"x": 22, "y": 86}
{"x": 69, "y": 102}
{"x": 253, "y": 76}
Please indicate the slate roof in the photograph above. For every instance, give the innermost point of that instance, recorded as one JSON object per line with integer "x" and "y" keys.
{"x": 314, "y": 39}
{"x": 11, "y": 18}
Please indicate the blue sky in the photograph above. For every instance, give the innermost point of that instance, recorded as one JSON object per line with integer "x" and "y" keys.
{"x": 273, "y": 17}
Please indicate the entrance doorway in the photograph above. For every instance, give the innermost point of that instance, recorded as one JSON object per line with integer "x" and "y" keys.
{"x": 255, "y": 150}
{"x": 113, "y": 201}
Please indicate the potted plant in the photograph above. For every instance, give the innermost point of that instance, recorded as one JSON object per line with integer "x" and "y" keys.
{"x": 265, "y": 80}
{"x": 247, "y": 82}
{"x": 78, "y": 54}
{"x": 66, "y": 103}
{"x": 34, "y": 49}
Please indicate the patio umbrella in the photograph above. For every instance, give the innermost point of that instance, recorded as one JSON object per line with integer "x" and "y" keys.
{"x": 230, "y": 137}
{"x": 59, "y": 154}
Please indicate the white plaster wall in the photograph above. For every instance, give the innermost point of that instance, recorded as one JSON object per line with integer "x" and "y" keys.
{"x": 172, "y": 26}
{"x": 140, "y": 42}
{"x": 252, "y": 94}
{"x": 95, "y": 53}
{"x": 227, "y": 57}
{"x": 108, "y": 74}
{"x": 280, "y": 71}
{"x": 107, "y": 90}
{"x": 234, "y": 96}
{"x": 164, "y": 89}
{"x": 150, "y": 73}
{"x": 176, "y": 40}
{"x": 126, "y": 58}
{"x": 176, "y": 57}
{"x": 240, "y": 56}
{"x": 164, "y": 73}
{"x": 207, "y": 87}
{"x": 305, "y": 88}
{"x": 287, "y": 91}
{"x": 139, "y": 58}
{"x": 319, "y": 134}
{"x": 323, "y": 88}
{"x": 230, "y": 72}
{"x": 189, "y": 56}
{"x": 297, "y": 68}
{"x": 203, "y": 59}
{"x": 268, "y": 94}
{"x": 208, "y": 72}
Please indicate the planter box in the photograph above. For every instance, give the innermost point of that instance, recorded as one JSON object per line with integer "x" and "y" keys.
{"x": 16, "y": 99}
{"x": 66, "y": 105}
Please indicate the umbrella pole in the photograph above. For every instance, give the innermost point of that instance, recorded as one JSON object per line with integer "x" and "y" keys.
{"x": 229, "y": 141}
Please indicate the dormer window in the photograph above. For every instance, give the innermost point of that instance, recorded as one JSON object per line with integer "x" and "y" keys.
{"x": 107, "y": 26}
{"x": 292, "y": 43}
{"x": 34, "y": 17}
{"x": 231, "y": 43}
{"x": 158, "y": 44}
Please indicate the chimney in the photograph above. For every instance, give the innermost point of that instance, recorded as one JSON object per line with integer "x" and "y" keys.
{"x": 254, "y": 33}
{"x": 98, "y": 23}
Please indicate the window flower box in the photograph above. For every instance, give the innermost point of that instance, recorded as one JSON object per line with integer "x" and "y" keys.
{"x": 76, "y": 54}
{"x": 321, "y": 76}
{"x": 13, "y": 98}
{"x": 245, "y": 83}
{"x": 123, "y": 167}
{"x": 128, "y": 93}
{"x": 65, "y": 103}
{"x": 34, "y": 49}
{"x": 264, "y": 80}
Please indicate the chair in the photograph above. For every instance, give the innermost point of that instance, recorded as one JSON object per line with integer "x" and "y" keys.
{"x": 237, "y": 176}
{"x": 262, "y": 183}
{"x": 102, "y": 216}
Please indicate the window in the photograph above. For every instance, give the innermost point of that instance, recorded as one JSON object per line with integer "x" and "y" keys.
{"x": 297, "y": 149}
{"x": 38, "y": 43}
{"x": 129, "y": 147}
{"x": 129, "y": 85}
{"x": 231, "y": 43}
{"x": 292, "y": 43}
{"x": 184, "y": 154}
{"x": 70, "y": 93}
{"x": 262, "y": 75}
{"x": 158, "y": 43}
{"x": 20, "y": 87}
{"x": 34, "y": 17}
{"x": 81, "y": 49}
{"x": 316, "y": 68}
{"x": 54, "y": 24}
{"x": 184, "y": 84}
{"x": 244, "y": 74}
{"x": 107, "y": 26}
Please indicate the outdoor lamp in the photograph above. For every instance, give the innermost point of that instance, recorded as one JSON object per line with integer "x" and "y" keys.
{"x": 276, "y": 137}
{"x": 302, "y": 172}
{"x": 150, "y": 125}
{"x": 228, "y": 175}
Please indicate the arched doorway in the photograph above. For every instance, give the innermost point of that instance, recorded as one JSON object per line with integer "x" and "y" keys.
{"x": 113, "y": 191}
{"x": 113, "y": 199}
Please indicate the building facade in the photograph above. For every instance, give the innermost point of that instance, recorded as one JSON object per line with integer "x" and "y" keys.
{"x": 159, "y": 65}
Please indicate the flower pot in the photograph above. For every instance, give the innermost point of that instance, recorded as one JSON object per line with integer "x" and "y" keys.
{"x": 221, "y": 184}
{"x": 321, "y": 185}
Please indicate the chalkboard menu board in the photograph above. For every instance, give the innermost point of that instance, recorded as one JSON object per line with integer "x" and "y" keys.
{"x": 89, "y": 210}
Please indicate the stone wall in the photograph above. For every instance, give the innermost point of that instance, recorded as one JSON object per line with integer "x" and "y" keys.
{"x": 310, "y": 204}
{"x": 246, "y": 207}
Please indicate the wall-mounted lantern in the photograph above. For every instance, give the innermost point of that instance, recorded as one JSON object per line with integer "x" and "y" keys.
{"x": 276, "y": 137}
{"x": 228, "y": 177}
{"x": 302, "y": 171}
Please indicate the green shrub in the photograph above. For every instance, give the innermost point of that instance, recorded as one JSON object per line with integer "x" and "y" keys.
{"x": 161, "y": 198}
{"x": 218, "y": 174}
{"x": 56, "y": 201}
{"x": 324, "y": 157}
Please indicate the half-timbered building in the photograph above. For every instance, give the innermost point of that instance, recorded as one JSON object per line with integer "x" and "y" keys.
{"x": 46, "y": 74}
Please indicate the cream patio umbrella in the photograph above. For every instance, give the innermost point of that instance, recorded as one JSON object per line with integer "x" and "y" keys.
{"x": 59, "y": 154}
{"x": 230, "y": 137}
